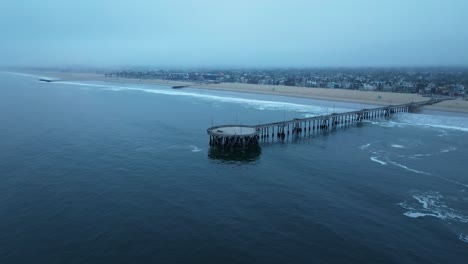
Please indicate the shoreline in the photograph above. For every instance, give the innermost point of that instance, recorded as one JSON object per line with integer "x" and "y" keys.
{"x": 338, "y": 95}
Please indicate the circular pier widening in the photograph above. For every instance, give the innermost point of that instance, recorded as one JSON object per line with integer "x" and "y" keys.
{"x": 233, "y": 136}
{"x": 235, "y": 130}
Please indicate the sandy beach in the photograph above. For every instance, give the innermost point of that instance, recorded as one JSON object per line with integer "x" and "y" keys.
{"x": 368, "y": 97}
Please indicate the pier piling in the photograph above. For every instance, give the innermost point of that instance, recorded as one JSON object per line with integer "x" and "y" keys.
{"x": 240, "y": 136}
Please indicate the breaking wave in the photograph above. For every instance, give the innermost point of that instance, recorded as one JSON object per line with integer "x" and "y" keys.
{"x": 440, "y": 123}
{"x": 307, "y": 110}
{"x": 22, "y": 74}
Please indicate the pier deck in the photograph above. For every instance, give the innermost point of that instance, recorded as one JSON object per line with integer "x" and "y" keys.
{"x": 244, "y": 136}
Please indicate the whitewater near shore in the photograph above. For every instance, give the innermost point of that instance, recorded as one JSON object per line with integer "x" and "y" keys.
{"x": 355, "y": 96}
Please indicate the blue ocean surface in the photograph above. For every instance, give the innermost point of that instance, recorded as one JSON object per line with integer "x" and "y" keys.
{"x": 96, "y": 172}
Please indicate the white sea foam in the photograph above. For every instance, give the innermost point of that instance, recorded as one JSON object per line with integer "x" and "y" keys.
{"x": 378, "y": 155}
{"x": 382, "y": 123}
{"x": 438, "y": 122}
{"x": 21, "y": 74}
{"x": 452, "y": 181}
{"x": 407, "y": 168}
{"x": 378, "y": 161}
{"x": 179, "y": 147}
{"x": 422, "y": 155}
{"x": 445, "y": 150}
{"x": 307, "y": 110}
{"x": 389, "y": 123}
{"x": 464, "y": 129}
{"x": 365, "y": 146}
{"x": 86, "y": 84}
{"x": 416, "y": 215}
{"x": 432, "y": 204}
{"x": 448, "y": 149}
{"x": 441, "y": 123}
{"x": 443, "y": 133}
{"x": 463, "y": 237}
{"x": 195, "y": 148}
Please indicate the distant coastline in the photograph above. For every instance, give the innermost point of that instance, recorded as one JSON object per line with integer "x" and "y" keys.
{"x": 353, "y": 96}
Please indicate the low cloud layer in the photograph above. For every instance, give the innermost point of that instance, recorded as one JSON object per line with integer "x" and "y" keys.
{"x": 234, "y": 33}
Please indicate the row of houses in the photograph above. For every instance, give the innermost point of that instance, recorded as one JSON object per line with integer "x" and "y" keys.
{"x": 444, "y": 82}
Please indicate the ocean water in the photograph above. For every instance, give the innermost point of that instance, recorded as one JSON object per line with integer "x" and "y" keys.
{"x": 94, "y": 172}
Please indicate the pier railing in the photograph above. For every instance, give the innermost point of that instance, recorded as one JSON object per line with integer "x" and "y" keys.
{"x": 244, "y": 136}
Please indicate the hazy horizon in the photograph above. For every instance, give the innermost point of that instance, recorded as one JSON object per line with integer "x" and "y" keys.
{"x": 295, "y": 34}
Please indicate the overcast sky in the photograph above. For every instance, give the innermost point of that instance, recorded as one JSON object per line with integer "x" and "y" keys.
{"x": 252, "y": 33}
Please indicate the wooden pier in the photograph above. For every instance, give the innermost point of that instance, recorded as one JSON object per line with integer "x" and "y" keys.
{"x": 241, "y": 136}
